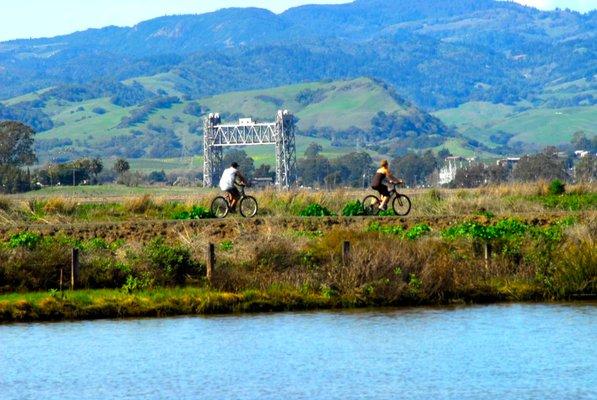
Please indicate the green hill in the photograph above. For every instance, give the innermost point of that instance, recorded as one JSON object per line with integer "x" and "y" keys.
{"x": 562, "y": 109}
{"x": 95, "y": 126}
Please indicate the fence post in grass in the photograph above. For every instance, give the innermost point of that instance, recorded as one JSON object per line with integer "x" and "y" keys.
{"x": 211, "y": 261}
{"x": 487, "y": 254}
{"x": 345, "y": 252}
{"x": 74, "y": 268}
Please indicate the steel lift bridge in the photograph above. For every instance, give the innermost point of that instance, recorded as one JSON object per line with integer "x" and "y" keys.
{"x": 280, "y": 133}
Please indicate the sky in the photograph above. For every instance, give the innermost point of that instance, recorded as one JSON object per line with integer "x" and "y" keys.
{"x": 56, "y": 17}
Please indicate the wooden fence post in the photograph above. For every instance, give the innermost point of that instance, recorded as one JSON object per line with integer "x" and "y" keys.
{"x": 345, "y": 252}
{"x": 211, "y": 261}
{"x": 487, "y": 254}
{"x": 74, "y": 268}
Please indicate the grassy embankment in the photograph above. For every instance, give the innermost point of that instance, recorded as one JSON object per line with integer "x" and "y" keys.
{"x": 264, "y": 265}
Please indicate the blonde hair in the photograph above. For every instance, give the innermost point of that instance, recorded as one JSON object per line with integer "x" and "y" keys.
{"x": 384, "y": 163}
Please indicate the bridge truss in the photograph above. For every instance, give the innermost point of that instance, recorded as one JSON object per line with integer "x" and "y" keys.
{"x": 280, "y": 133}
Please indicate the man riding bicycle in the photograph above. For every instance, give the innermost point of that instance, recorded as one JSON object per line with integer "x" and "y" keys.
{"x": 228, "y": 184}
{"x": 377, "y": 184}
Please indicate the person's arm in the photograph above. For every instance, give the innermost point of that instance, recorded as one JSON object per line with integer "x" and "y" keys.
{"x": 393, "y": 179}
{"x": 241, "y": 178}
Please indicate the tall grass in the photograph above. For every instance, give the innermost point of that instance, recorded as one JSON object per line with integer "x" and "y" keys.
{"x": 505, "y": 199}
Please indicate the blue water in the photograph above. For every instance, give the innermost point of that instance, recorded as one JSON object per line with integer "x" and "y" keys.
{"x": 482, "y": 352}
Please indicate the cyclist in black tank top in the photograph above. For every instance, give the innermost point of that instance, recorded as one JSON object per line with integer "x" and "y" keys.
{"x": 382, "y": 174}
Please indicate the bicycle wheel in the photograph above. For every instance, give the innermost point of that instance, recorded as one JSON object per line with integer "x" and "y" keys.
{"x": 220, "y": 207}
{"x": 248, "y": 206}
{"x": 401, "y": 205}
{"x": 371, "y": 205}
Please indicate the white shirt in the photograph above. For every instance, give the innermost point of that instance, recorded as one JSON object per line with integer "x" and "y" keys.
{"x": 228, "y": 178}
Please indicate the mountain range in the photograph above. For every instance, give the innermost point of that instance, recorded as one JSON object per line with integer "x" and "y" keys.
{"x": 437, "y": 52}
{"x": 444, "y": 56}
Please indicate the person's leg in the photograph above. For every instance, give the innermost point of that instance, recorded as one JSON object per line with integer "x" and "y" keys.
{"x": 235, "y": 195}
{"x": 385, "y": 197}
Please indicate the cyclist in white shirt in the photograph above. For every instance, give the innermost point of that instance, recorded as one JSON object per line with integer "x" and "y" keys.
{"x": 228, "y": 184}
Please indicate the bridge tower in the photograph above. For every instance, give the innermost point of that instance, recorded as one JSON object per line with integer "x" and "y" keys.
{"x": 280, "y": 133}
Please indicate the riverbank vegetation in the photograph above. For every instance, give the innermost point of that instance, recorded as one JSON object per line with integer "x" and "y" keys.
{"x": 481, "y": 258}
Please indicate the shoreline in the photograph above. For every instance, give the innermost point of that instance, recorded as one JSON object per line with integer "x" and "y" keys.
{"x": 102, "y": 304}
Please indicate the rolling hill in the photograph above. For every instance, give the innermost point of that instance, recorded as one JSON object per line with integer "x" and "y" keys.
{"x": 551, "y": 121}
{"x": 97, "y": 127}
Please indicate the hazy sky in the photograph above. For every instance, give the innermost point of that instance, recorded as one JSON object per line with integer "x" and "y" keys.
{"x": 43, "y": 18}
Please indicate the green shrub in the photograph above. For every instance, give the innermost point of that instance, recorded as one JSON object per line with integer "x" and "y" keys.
{"x": 197, "y": 212}
{"x": 353, "y": 209}
{"x": 557, "y": 187}
{"x": 24, "y": 239}
{"x": 417, "y": 231}
{"x": 174, "y": 263}
{"x": 501, "y": 229}
{"x": 387, "y": 213}
{"x": 315, "y": 210}
{"x": 226, "y": 245}
{"x": 386, "y": 229}
{"x": 413, "y": 233}
{"x": 571, "y": 202}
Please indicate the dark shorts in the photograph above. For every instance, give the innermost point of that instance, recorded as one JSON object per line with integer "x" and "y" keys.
{"x": 382, "y": 189}
{"x": 234, "y": 192}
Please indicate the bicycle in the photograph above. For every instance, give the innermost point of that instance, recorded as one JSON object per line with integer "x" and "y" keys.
{"x": 400, "y": 203}
{"x": 247, "y": 205}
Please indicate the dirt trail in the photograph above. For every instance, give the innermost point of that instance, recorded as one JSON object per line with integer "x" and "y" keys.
{"x": 143, "y": 231}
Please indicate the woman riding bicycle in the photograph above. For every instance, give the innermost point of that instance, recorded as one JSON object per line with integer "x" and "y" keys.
{"x": 377, "y": 184}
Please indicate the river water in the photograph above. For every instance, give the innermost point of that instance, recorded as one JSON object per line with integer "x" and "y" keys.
{"x": 482, "y": 352}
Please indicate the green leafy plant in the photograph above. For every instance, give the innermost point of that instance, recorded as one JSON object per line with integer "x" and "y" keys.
{"x": 557, "y": 187}
{"x": 226, "y": 245}
{"x": 24, "y": 239}
{"x": 315, "y": 210}
{"x": 387, "y": 213}
{"x": 353, "y": 209}
{"x": 174, "y": 261}
{"x": 196, "y": 212}
{"x": 417, "y": 231}
{"x": 386, "y": 229}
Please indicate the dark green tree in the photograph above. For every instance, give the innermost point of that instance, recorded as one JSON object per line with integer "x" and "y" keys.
{"x": 16, "y": 144}
{"x": 545, "y": 165}
{"x": 586, "y": 169}
{"x": 246, "y": 164}
{"x": 121, "y": 166}
{"x": 264, "y": 171}
{"x": 413, "y": 168}
{"x": 313, "y": 168}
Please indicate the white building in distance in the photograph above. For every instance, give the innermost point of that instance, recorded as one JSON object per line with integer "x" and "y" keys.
{"x": 451, "y": 166}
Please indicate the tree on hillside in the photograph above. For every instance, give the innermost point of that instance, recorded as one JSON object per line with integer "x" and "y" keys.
{"x": 245, "y": 163}
{"x": 313, "y": 168}
{"x": 265, "y": 171}
{"x": 479, "y": 174}
{"x": 353, "y": 169}
{"x": 16, "y": 144}
{"x": 313, "y": 150}
{"x": 121, "y": 166}
{"x": 545, "y": 165}
{"x": 414, "y": 168}
{"x": 586, "y": 169}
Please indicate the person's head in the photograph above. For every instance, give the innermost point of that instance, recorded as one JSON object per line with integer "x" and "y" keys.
{"x": 234, "y": 165}
{"x": 384, "y": 164}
